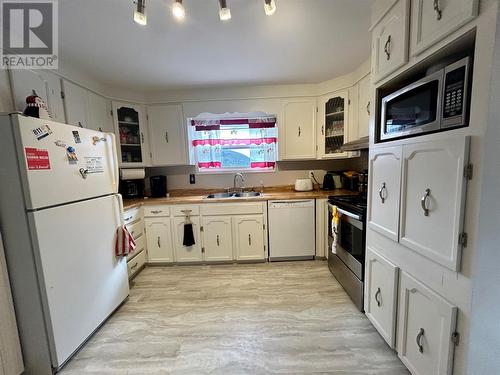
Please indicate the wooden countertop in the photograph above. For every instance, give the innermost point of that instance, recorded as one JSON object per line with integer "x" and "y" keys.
{"x": 199, "y": 196}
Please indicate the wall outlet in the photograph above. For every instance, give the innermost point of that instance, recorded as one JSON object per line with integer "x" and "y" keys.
{"x": 192, "y": 179}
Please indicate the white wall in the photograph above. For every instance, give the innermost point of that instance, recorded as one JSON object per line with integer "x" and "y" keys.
{"x": 5, "y": 96}
{"x": 484, "y": 343}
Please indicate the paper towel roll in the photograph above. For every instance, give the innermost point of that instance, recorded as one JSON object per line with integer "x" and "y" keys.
{"x": 133, "y": 174}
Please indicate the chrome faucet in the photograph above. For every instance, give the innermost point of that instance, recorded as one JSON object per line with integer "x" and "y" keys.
{"x": 242, "y": 180}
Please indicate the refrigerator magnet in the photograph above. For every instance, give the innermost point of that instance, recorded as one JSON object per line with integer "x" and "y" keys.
{"x": 37, "y": 158}
{"x": 71, "y": 154}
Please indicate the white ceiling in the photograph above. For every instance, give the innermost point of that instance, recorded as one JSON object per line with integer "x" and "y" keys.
{"x": 305, "y": 41}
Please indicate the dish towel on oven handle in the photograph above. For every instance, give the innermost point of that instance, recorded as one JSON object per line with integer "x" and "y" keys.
{"x": 335, "y": 225}
{"x": 124, "y": 243}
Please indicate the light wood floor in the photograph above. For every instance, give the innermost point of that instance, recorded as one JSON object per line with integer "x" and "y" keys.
{"x": 285, "y": 318}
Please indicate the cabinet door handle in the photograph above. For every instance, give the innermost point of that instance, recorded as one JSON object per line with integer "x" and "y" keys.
{"x": 156, "y": 212}
{"x": 218, "y": 241}
{"x": 159, "y": 245}
{"x": 300, "y": 130}
{"x": 134, "y": 266}
{"x": 166, "y": 136}
{"x": 423, "y": 202}
{"x": 368, "y": 109}
{"x": 381, "y": 192}
{"x": 419, "y": 340}
{"x": 437, "y": 9}
{"x": 322, "y": 130}
{"x": 142, "y": 137}
{"x": 387, "y": 47}
{"x": 377, "y": 295}
{"x": 250, "y": 240}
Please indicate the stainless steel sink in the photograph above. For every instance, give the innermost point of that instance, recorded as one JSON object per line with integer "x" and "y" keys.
{"x": 247, "y": 194}
{"x": 244, "y": 194}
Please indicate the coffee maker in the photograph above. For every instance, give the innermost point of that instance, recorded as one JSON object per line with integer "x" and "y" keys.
{"x": 131, "y": 189}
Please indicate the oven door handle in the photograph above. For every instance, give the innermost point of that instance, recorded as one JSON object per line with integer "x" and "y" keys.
{"x": 347, "y": 213}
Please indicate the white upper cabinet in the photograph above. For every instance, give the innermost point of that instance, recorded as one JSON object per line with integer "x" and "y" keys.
{"x": 131, "y": 134}
{"x": 364, "y": 106}
{"x": 433, "y": 198}
{"x": 385, "y": 187}
{"x": 299, "y": 127}
{"x": 217, "y": 238}
{"x": 75, "y": 104}
{"x": 45, "y": 84}
{"x": 432, "y": 20}
{"x": 426, "y": 329}
{"x": 390, "y": 41}
{"x": 249, "y": 237}
{"x": 167, "y": 135}
{"x": 187, "y": 254}
{"x": 333, "y": 126}
{"x": 381, "y": 288}
{"x": 99, "y": 113}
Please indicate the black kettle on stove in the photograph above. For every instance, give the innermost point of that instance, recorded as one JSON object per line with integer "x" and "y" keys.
{"x": 328, "y": 183}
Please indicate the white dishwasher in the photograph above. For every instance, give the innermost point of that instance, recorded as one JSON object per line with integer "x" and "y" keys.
{"x": 291, "y": 229}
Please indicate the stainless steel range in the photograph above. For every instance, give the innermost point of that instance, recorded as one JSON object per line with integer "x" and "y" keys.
{"x": 346, "y": 243}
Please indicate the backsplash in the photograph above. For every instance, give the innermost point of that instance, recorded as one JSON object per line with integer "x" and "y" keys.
{"x": 286, "y": 174}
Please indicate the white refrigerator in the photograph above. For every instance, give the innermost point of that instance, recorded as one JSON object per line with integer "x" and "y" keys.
{"x": 59, "y": 212}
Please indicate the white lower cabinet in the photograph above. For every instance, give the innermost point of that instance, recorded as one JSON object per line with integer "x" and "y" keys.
{"x": 381, "y": 286}
{"x": 186, "y": 254}
{"x": 135, "y": 264}
{"x": 217, "y": 238}
{"x": 159, "y": 240}
{"x": 249, "y": 237}
{"x": 426, "y": 329}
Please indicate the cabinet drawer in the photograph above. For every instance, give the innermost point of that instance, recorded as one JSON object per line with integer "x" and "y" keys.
{"x": 136, "y": 263}
{"x": 140, "y": 245}
{"x": 136, "y": 229}
{"x": 426, "y": 329}
{"x": 129, "y": 216}
{"x": 232, "y": 208}
{"x": 154, "y": 211}
{"x": 432, "y": 20}
{"x": 381, "y": 287}
{"x": 177, "y": 210}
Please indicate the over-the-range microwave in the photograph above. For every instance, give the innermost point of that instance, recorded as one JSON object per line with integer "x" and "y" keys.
{"x": 438, "y": 101}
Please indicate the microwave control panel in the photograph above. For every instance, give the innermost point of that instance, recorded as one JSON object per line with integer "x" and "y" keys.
{"x": 454, "y": 93}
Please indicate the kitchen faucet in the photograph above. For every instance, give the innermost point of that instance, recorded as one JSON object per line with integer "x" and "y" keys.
{"x": 242, "y": 181}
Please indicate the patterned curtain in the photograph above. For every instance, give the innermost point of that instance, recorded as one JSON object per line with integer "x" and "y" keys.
{"x": 259, "y": 134}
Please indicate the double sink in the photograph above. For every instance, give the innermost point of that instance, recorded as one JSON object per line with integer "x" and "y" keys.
{"x": 243, "y": 194}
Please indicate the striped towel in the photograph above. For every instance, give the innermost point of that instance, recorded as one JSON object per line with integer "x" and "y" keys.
{"x": 125, "y": 243}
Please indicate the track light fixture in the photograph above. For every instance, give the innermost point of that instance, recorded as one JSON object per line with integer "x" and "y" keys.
{"x": 269, "y": 7}
{"x": 178, "y": 10}
{"x": 140, "y": 12}
{"x": 224, "y": 11}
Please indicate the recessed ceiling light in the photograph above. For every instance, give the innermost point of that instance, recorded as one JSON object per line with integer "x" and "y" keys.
{"x": 224, "y": 11}
{"x": 140, "y": 12}
{"x": 178, "y": 10}
{"x": 269, "y": 7}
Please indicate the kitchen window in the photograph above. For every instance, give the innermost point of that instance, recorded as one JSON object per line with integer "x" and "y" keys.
{"x": 234, "y": 144}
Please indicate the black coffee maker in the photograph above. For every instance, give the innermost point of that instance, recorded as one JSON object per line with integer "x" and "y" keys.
{"x": 328, "y": 182}
{"x": 158, "y": 186}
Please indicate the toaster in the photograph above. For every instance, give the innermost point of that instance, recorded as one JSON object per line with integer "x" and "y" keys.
{"x": 303, "y": 184}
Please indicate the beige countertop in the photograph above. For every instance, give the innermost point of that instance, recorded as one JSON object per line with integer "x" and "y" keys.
{"x": 199, "y": 196}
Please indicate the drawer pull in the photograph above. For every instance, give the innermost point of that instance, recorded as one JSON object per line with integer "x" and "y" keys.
{"x": 250, "y": 240}
{"x": 156, "y": 212}
{"x": 437, "y": 9}
{"x": 423, "y": 202}
{"x": 381, "y": 192}
{"x": 218, "y": 242}
{"x": 128, "y": 218}
{"x": 159, "y": 244}
{"x": 387, "y": 48}
{"x": 368, "y": 108}
{"x": 300, "y": 131}
{"x": 377, "y": 295}
{"x": 134, "y": 266}
{"x": 419, "y": 340}
{"x": 166, "y": 136}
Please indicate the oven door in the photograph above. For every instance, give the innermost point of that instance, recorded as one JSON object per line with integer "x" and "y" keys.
{"x": 414, "y": 109}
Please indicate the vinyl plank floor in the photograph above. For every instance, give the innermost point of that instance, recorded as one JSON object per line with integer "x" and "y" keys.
{"x": 269, "y": 318}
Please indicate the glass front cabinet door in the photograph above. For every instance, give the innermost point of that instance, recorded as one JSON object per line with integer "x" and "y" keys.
{"x": 131, "y": 136}
{"x": 333, "y": 117}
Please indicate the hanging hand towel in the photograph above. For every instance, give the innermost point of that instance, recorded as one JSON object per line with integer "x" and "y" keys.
{"x": 188, "y": 235}
{"x": 335, "y": 224}
{"x": 125, "y": 243}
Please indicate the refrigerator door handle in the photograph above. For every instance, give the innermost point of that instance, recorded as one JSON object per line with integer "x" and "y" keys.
{"x": 120, "y": 205}
{"x": 115, "y": 161}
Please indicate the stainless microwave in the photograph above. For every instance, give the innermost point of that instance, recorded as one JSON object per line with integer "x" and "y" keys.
{"x": 438, "y": 101}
